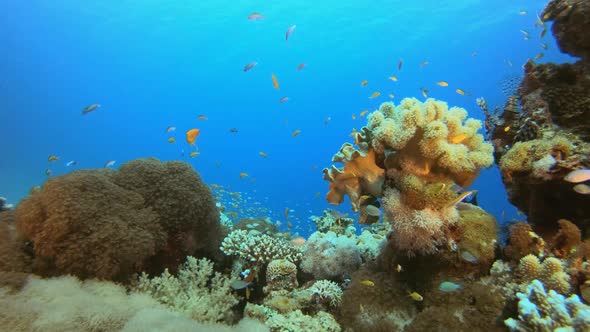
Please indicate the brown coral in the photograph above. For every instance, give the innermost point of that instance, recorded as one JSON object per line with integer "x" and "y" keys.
{"x": 567, "y": 238}
{"x": 523, "y": 241}
{"x": 571, "y": 24}
{"x": 110, "y": 224}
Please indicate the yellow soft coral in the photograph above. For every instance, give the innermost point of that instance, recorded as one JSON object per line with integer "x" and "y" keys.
{"x": 431, "y": 140}
{"x": 525, "y": 156}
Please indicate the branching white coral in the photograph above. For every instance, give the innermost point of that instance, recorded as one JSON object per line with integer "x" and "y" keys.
{"x": 545, "y": 312}
{"x": 259, "y": 248}
{"x": 196, "y": 292}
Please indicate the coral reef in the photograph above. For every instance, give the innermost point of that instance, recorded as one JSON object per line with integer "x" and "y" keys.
{"x": 294, "y": 321}
{"x": 330, "y": 256}
{"x": 4, "y": 206}
{"x": 543, "y": 132}
{"x": 523, "y": 241}
{"x": 258, "y": 249}
{"x": 197, "y": 292}
{"x": 110, "y": 224}
{"x": 67, "y": 304}
{"x": 411, "y": 156}
{"x": 281, "y": 274}
{"x": 570, "y": 25}
{"x": 549, "y": 311}
{"x": 334, "y": 221}
{"x": 15, "y": 264}
{"x": 326, "y": 291}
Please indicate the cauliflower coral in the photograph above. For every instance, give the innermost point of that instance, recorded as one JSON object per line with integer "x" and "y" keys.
{"x": 411, "y": 156}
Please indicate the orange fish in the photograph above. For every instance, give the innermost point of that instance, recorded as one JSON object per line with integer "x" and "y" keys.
{"x": 296, "y": 132}
{"x": 275, "y": 82}
{"x": 243, "y": 175}
{"x": 191, "y": 136}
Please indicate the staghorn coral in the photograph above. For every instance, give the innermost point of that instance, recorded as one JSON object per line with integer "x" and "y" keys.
{"x": 258, "y": 249}
{"x": 196, "y": 292}
{"x": 549, "y": 311}
{"x": 330, "y": 256}
{"x": 110, "y": 224}
{"x": 281, "y": 274}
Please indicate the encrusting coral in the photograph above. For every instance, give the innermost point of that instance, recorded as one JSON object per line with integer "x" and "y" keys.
{"x": 411, "y": 156}
{"x": 281, "y": 274}
{"x": 110, "y": 224}
{"x": 330, "y": 256}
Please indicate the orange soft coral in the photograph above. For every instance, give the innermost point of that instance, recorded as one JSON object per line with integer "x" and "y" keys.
{"x": 360, "y": 176}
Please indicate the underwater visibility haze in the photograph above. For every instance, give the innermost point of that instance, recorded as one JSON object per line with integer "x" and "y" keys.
{"x": 456, "y": 205}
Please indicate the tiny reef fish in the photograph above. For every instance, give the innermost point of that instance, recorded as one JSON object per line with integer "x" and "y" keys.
{"x": 367, "y": 282}
{"x": 577, "y": 176}
{"x": 400, "y": 63}
{"x": 415, "y": 296}
{"x": 375, "y": 95}
{"x": 296, "y": 132}
{"x": 289, "y": 32}
{"x": 194, "y": 154}
{"x": 301, "y": 66}
{"x": 243, "y": 175}
{"x": 110, "y": 163}
{"x": 202, "y": 117}
{"x": 442, "y": 83}
{"x": 250, "y": 66}
{"x": 283, "y": 100}
{"x": 393, "y": 78}
{"x": 52, "y": 158}
{"x": 275, "y": 82}
{"x": 263, "y": 154}
{"x": 171, "y": 140}
{"x": 90, "y": 108}
{"x": 364, "y": 83}
{"x": 255, "y": 16}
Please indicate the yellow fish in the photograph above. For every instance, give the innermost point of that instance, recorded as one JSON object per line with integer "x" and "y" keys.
{"x": 539, "y": 56}
{"x": 424, "y": 92}
{"x": 171, "y": 140}
{"x": 275, "y": 82}
{"x": 53, "y": 158}
{"x": 415, "y": 296}
{"x": 461, "y": 197}
{"x": 391, "y": 95}
{"x": 353, "y": 116}
{"x": 202, "y": 117}
{"x": 194, "y": 154}
{"x": 458, "y": 139}
{"x": 399, "y": 268}
{"x": 506, "y": 129}
{"x": 461, "y": 92}
{"x": 375, "y": 95}
{"x": 393, "y": 78}
{"x": 367, "y": 282}
{"x": 442, "y": 83}
{"x": 363, "y": 113}
{"x": 263, "y": 154}
{"x": 243, "y": 175}
{"x": 364, "y": 83}
{"x": 296, "y": 132}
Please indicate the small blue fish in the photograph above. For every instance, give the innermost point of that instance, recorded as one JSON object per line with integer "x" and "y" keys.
{"x": 250, "y": 66}
{"x": 71, "y": 163}
{"x": 289, "y": 31}
{"x": 449, "y": 287}
{"x": 110, "y": 163}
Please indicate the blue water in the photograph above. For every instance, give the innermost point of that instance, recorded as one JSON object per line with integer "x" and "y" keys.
{"x": 153, "y": 64}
